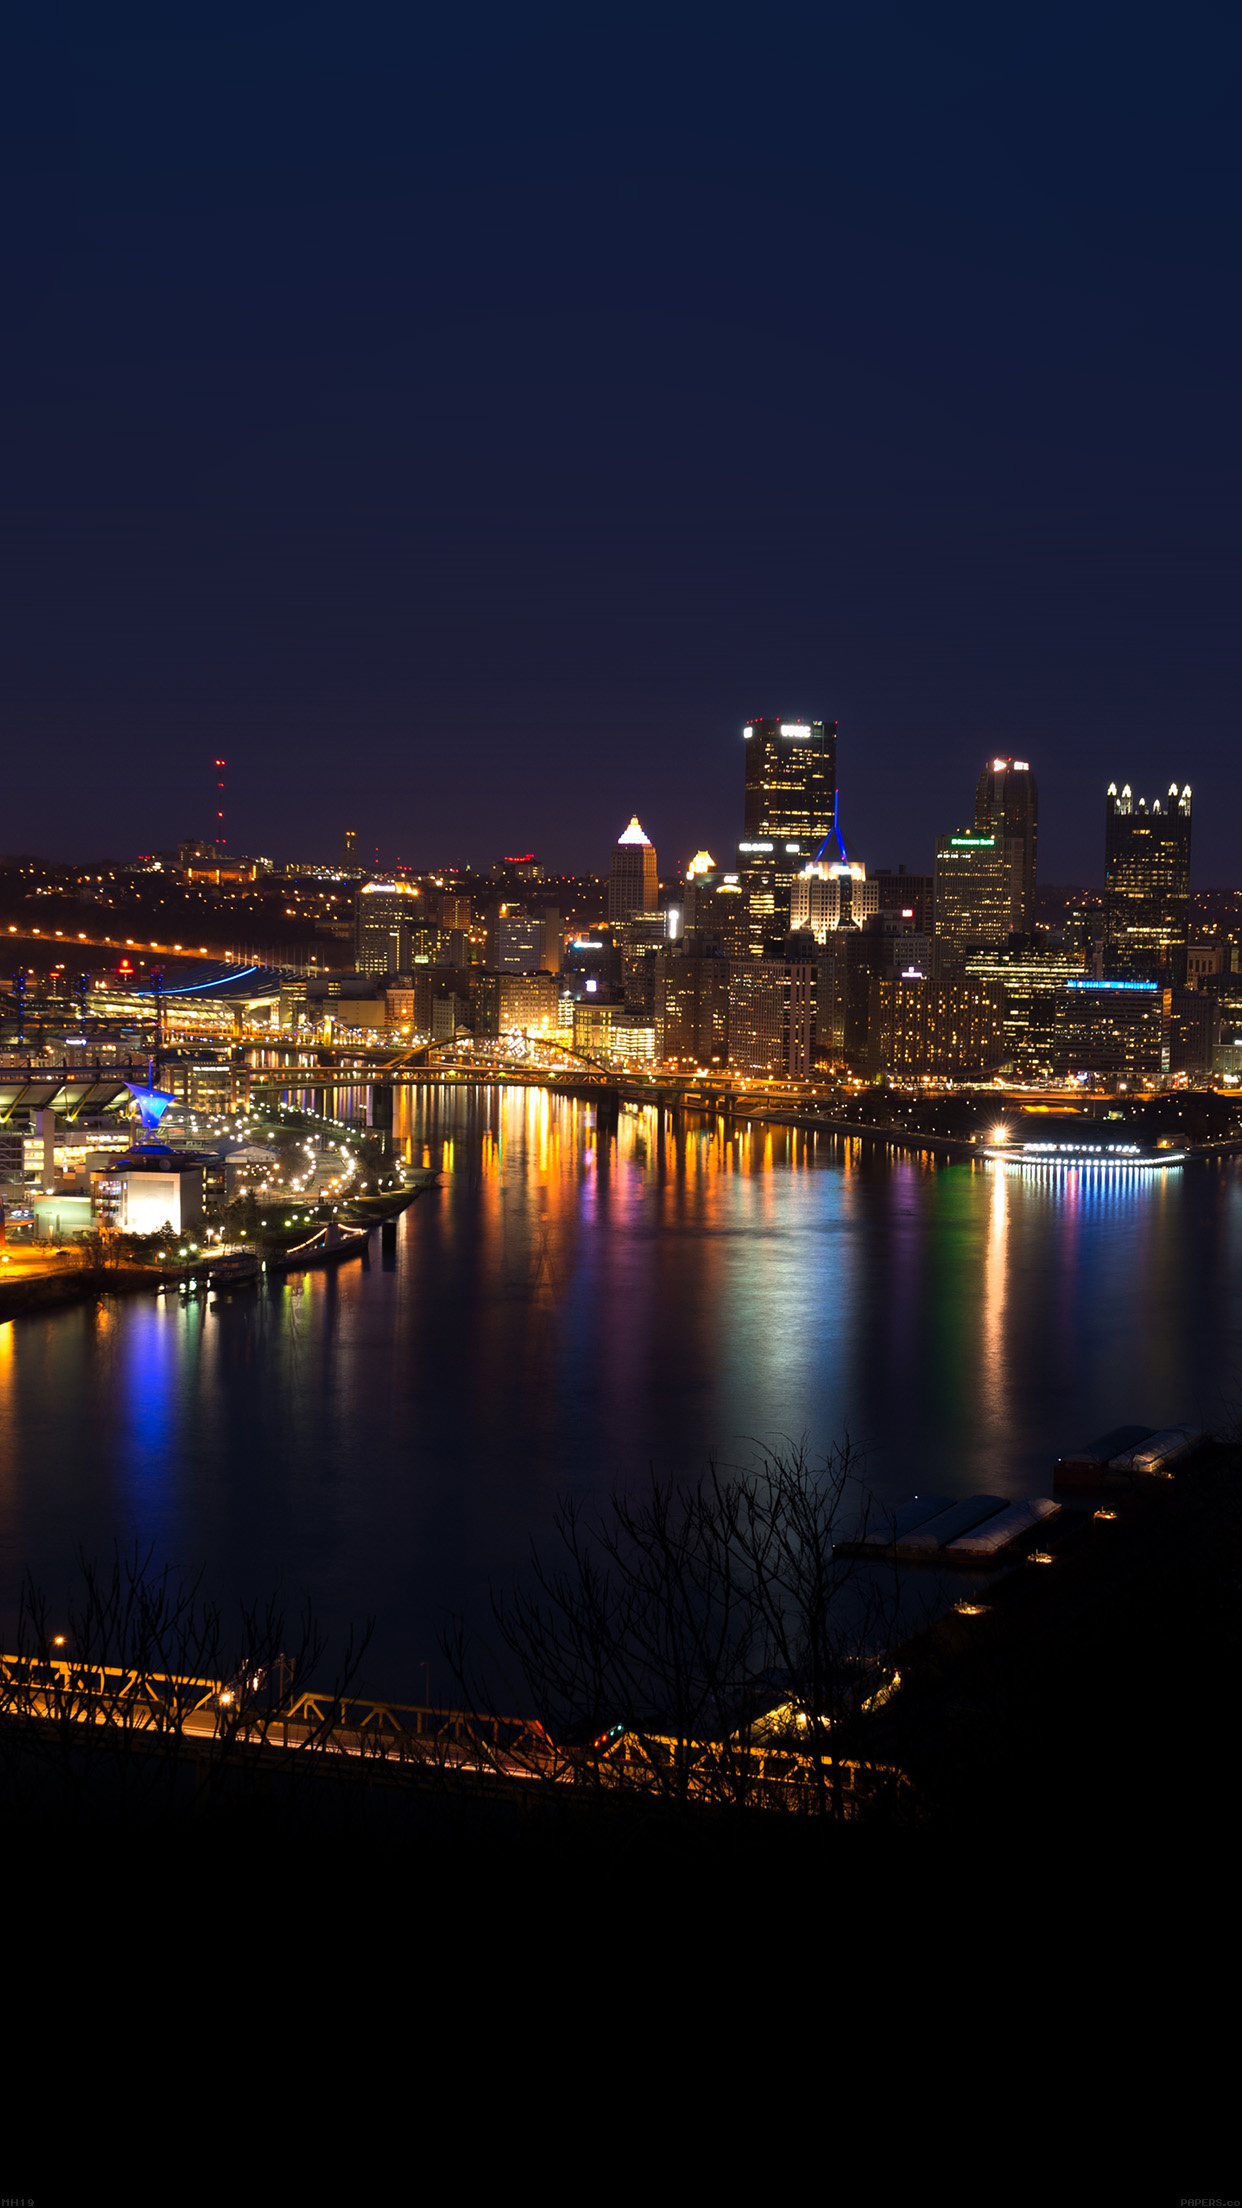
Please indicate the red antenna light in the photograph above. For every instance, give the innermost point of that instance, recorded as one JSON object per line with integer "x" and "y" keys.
{"x": 219, "y": 835}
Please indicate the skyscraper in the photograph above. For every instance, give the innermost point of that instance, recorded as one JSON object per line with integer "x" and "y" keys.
{"x": 1147, "y": 884}
{"x": 1007, "y": 806}
{"x": 974, "y": 890}
{"x": 384, "y": 913}
{"x": 634, "y": 885}
{"x": 790, "y": 811}
{"x": 791, "y": 782}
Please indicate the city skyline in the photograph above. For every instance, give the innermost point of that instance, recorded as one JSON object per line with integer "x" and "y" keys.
{"x": 441, "y": 465}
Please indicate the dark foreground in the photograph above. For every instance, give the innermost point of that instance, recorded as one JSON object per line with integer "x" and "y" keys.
{"x": 1043, "y": 1934}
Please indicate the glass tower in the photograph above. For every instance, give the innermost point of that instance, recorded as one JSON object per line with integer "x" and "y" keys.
{"x": 1007, "y": 807}
{"x": 1147, "y": 884}
{"x": 790, "y": 812}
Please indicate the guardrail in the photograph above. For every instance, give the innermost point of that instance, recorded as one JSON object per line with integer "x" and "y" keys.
{"x": 178, "y": 1708}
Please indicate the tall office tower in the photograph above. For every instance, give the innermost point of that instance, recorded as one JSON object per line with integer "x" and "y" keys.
{"x": 1147, "y": 884}
{"x": 349, "y": 847}
{"x": 1007, "y": 806}
{"x": 791, "y": 781}
{"x": 974, "y": 890}
{"x": 634, "y": 884}
{"x": 828, "y": 896}
{"x": 791, "y": 794}
{"x": 384, "y": 913}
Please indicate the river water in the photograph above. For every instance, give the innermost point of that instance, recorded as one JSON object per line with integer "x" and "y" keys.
{"x": 569, "y": 1307}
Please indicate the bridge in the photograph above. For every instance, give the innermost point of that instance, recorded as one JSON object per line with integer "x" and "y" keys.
{"x": 256, "y": 1713}
{"x": 576, "y": 1072}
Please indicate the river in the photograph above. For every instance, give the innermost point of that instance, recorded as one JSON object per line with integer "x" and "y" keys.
{"x": 569, "y": 1308}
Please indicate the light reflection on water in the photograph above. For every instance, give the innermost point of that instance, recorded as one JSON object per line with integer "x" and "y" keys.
{"x": 571, "y": 1306}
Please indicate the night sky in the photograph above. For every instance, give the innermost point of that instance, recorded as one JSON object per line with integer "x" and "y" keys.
{"x": 464, "y": 420}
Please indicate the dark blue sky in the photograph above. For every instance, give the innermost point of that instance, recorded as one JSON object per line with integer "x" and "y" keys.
{"x": 464, "y": 422}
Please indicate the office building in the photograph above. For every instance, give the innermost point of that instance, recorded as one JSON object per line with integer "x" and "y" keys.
{"x": 609, "y": 1031}
{"x": 974, "y": 890}
{"x": 909, "y": 895}
{"x": 774, "y": 1017}
{"x": 1007, "y": 807}
{"x": 1113, "y": 1028}
{"x": 1146, "y": 885}
{"x": 692, "y": 1009}
{"x": 790, "y": 812}
{"x": 1030, "y": 980}
{"x": 1194, "y": 1032}
{"x": 791, "y": 782}
{"x": 831, "y": 894}
{"x": 920, "y": 1027}
{"x": 503, "y": 1004}
{"x": 633, "y": 885}
{"x": 383, "y": 914}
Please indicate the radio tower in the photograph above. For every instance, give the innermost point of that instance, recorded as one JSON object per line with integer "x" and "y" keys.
{"x": 219, "y": 835}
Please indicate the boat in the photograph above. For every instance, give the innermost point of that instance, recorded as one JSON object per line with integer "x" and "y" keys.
{"x": 234, "y": 1269}
{"x": 331, "y": 1246}
{"x": 1074, "y": 1143}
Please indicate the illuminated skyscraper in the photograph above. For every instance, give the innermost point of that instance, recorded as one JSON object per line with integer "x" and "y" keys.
{"x": 1147, "y": 884}
{"x": 791, "y": 792}
{"x": 791, "y": 782}
{"x": 1007, "y": 807}
{"x": 974, "y": 890}
{"x": 384, "y": 913}
{"x": 634, "y": 885}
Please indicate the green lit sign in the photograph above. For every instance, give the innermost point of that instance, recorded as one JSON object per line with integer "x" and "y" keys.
{"x": 972, "y": 841}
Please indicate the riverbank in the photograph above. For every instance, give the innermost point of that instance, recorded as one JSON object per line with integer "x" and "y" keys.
{"x": 51, "y": 1290}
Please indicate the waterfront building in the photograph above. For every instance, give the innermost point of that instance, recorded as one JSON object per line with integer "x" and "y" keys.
{"x": 609, "y": 1031}
{"x": 774, "y": 1016}
{"x": 692, "y": 1009}
{"x": 1147, "y": 884}
{"x": 149, "y": 1188}
{"x": 1007, "y": 807}
{"x": 383, "y": 915}
{"x": 974, "y": 889}
{"x": 633, "y": 885}
{"x": 921, "y": 1027}
{"x": 1117, "y": 1029}
{"x": 1030, "y": 980}
{"x": 850, "y": 960}
{"x": 502, "y": 1004}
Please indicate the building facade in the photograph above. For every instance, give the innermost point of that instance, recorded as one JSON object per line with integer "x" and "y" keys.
{"x": 789, "y": 813}
{"x": 1118, "y": 1029}
{"x": 384, "y": 912}
{"x": 505, "y": 1003}
{"x": 1146, "y": 885}
{"x": 831, "y": 894}
{"x": 633, "y": 885}
{"x": 921, "y": 1027}
{"x": 1007, "y": 807}
{"x": 974, "y": 890}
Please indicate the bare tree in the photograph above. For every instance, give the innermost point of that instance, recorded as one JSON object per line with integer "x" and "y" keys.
{"x": 702, "y": 1643}
{"x": 111, "y": 1701}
